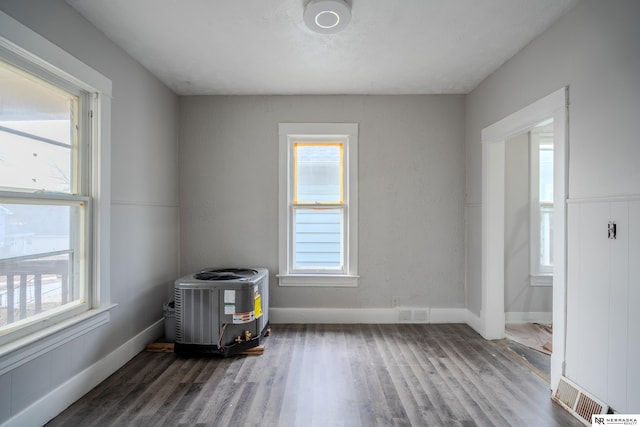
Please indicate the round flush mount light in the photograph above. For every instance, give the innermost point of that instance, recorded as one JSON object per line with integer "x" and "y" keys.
{"x": 327, "y": 16}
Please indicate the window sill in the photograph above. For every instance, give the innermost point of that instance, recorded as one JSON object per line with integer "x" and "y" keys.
{"x": 23, "y": 350}
{"x": 319, "y": 280}
{"x": 541, "y": 280}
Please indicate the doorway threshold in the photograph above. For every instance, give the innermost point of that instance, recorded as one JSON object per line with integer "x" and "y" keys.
{"x": 539, "y": 363}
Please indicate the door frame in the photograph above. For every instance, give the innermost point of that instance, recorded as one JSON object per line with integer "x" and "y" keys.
{"x": 494, "y": 138}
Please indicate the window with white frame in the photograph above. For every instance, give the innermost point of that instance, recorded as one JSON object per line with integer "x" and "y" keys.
{"x": 48, "y": 215}
{"x": 541, "y": 189}
{"x": 318, "y": 204}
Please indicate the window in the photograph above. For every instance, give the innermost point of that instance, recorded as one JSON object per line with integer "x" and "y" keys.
{"x": 541, "y": 141}
{"x": 318, "y": 204}
{"x": 43, "y": 199}
{"x": 54, "y": 152}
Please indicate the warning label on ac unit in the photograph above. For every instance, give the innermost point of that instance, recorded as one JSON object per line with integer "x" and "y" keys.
{"x": 239, "y": 318}
{"x": 257, "y": 309}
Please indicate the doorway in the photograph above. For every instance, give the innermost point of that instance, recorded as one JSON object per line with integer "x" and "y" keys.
{"x": 494, "y": 139}
{"x": 528, "y": 256}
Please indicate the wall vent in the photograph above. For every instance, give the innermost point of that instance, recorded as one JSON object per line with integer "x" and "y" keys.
{"x": 577, "y": 401}
{"x": 405, "y": 315}
{"x": 412, "y": 315}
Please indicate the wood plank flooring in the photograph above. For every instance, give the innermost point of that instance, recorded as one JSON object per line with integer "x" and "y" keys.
{"x": 533, "y": 335}
{"x": 329, "y": 375}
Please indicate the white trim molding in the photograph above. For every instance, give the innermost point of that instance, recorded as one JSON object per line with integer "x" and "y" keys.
{"x": 30, "y": 49}
{"x": 604, "y": 199}
{"x": 347, "y": 135}
{"x": 21, "y": 351}
{"x": 474, "y": 321}
{"x": 494, "y": 138}
{"x": 368, "y": 315}
{"x": 28, "y": 44}
{"x": 56, "y": 401}
{"x": 336, "y": 281}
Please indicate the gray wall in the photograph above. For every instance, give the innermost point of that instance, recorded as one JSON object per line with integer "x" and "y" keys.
{"x": 411, "y": 192}
{"x": 594, "y": 49}
{"x": 412, "y": 173}
{"x": 144, "y": 212}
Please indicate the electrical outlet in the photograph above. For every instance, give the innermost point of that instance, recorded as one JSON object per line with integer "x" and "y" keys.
{"x": 395, "y": 302}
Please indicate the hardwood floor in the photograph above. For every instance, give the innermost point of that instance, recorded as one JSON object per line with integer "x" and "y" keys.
{"x": 329, "y": 375}
{"x": 533, "y": 335}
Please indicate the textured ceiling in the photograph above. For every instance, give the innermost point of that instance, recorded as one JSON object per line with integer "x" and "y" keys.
{"x": 263, "y": 47}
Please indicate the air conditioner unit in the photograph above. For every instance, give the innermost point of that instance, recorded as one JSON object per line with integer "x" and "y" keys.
{"x": 221, "y": 311}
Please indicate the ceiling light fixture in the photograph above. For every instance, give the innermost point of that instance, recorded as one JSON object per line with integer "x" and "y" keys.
{"x": 327, "y": 16}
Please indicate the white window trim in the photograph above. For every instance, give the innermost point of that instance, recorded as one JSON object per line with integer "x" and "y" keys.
{"x": 541, "y": 280}
{"x": 21, "y": 42}
{"x": 287, "y": 132}
{"x": 538, "y": 275}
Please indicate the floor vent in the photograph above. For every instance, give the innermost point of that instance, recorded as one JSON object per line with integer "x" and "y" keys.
{"x": 577, "y": 401}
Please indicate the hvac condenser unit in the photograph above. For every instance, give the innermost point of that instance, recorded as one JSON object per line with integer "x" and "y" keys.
{"x": 221, "y": 311}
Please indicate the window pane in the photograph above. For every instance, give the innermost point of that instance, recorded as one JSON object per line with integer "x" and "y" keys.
{"x": 37, "y": 130}
{"x": 29, "y": 164}
{"x": 318, "y": 239}
{"x": 318, "y": 173}
{"x": 34, "y": 229}
{"x": 37, "y": 246}
{"x": 546, "y": 233}
{"x": 33, "y": 285}
{"x": 546, "y": 173}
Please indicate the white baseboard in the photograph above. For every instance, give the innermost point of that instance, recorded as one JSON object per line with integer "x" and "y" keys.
{"x": 368, "y": 315}
{"x": 474, "y": 321}
{"x": 545, "y": 317}
{"x": 332, "y": 315}
{"x": 448, "y": 315}
{"x": 56, "y": 401}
